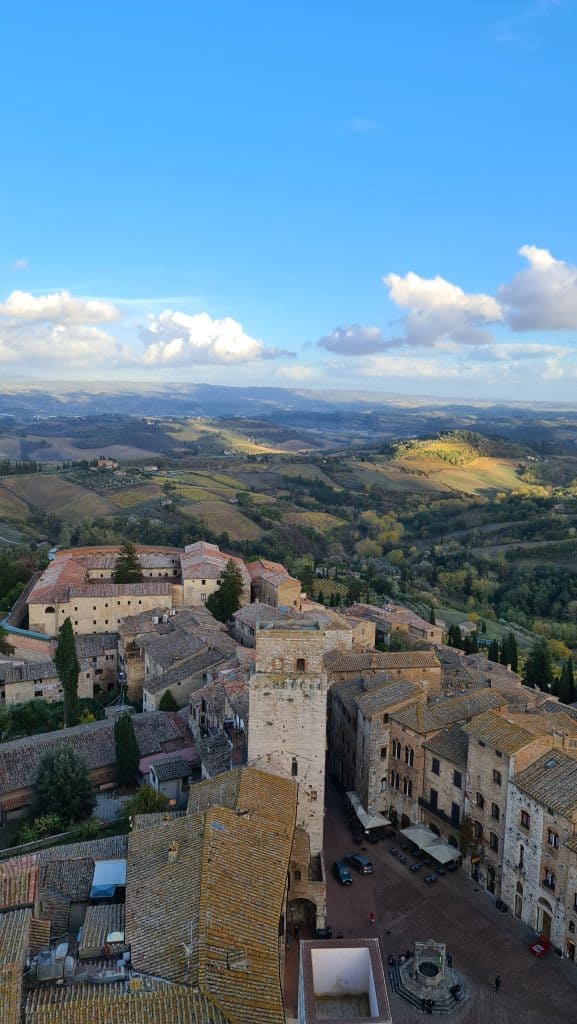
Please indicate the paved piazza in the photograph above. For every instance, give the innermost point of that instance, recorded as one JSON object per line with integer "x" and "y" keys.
{"x": 483, "y": 942}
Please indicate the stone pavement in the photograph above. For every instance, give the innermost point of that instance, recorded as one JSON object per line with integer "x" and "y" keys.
{"x": 455, "y": 911}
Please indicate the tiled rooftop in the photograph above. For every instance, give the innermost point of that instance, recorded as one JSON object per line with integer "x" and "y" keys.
{"x": 360, "y": 661}
{"x": 19, "y": 759}
{"x": 222, "y": 898}
{"x": 498, "y": 733}
{"x": 429, "y": 717}
{"x": 18, "y": 882}
{"x": 116, "y": 1004}
{"x": 452, "y": 744}
{"x": 551, "y": 781}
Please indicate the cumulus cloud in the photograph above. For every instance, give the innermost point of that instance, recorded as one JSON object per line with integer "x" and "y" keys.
{"x": 439, "y": 311}
{"x": 57, "y": 307}
{"x": 543, "y": 296}
{"x": 355, "y": 341}
{"x": 55, "y": 328}
{"x": 181, "y": 339}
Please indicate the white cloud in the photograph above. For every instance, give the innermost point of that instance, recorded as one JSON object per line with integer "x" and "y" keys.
{"x": 543, "y": 296}
{"x": 355, "y": 341}
{"x": 296, "y": 373}
{"x": 20, "y": 264}
{"x": 180, "y": 339}
{"x": 439, "y": 311}
{"x": 57, "y": 307}
{"x": 406, "y": 366}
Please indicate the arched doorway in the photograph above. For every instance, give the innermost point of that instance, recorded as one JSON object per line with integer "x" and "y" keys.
{"x": 544, "y": 918}
{"x": 304, "y": 914}
{"x": 519, "y": 901}
{"x": 491, "y": 879}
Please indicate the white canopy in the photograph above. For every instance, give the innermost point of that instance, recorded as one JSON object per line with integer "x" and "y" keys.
{"x": 367, "y": 820}
{"x": 430, "y": 842}
{"x": 441, "y": 851}
{"x": 420, "y": 835}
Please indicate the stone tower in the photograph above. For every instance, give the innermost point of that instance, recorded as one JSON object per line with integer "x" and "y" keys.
{"x": 288, "y": 714}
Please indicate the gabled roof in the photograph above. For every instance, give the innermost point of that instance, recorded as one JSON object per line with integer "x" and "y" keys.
{"x": 429, "y": 717}
{"x": 19, "y": 759}
{"x": 376, "y": 701}
{"x": 451, "y": 744}
{"x": 216, "y": 926}
{"x": 498, "y": 733}
{"x": 382, "y": 661}
{"x": 171, "y": 768}
{"x": 551, "y": 781}
{"x": 117, "y": 1004}
{"x": 14, "y": 945}
{"x": 18, "y": 882}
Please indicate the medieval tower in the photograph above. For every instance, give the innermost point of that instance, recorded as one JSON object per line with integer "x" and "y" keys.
{"x": 288, "y": 714}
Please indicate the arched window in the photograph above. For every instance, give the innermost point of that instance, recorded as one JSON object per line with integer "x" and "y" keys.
{"x": 295, "y": 768}
{"x": 411, "y": 756}
{"x": 49, "y": 611}
{"x": 406, "y": 755}
{"x": 383, "y": 783}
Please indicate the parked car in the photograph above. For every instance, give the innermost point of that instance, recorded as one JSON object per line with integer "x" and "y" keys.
{"x": 342, "y": 873}
{"x": 360, "y": 863}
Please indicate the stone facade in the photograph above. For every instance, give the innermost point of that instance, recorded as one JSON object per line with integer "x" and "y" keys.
{"x": 444, "y": 778}
{"x": 498, "y": 750}
{"x": 287, "y": 716}
{"x": 539, "y": 861}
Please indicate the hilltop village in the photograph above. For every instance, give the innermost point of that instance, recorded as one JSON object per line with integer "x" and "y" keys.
{"x": 268, "y": 710}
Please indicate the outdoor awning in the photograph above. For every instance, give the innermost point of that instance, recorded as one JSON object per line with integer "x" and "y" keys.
{"x": 367, "y": 820}
{"x": 430, "y": 842}
{"x": 442, "y": 852}
{"x": 420, "y": 835}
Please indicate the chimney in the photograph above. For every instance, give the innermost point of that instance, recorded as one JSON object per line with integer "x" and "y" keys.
{"x": 172, "y": 853}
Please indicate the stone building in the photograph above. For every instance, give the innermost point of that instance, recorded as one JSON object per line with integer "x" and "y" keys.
{"x": 420, "y": 667}
{"x": 394, "y": 618}
{"x": 287, "y": 715}
{"x": 410, "y": 729}
{"x": 271, "y": 584}
{"x": 78, "y": 584}
{"x": 23, "y": 681}
{"x": 359, "y": 734}
{"x": 444, "y": 778}
{"x": 539, "y": 881}
{"x": 498, "y": 750}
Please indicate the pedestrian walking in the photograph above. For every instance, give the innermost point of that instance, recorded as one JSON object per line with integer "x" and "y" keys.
{"x": 372, "y": 917}
{"x": 497, "y": 983}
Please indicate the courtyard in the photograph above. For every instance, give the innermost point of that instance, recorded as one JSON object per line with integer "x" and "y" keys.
{"x": 483, "y": 942}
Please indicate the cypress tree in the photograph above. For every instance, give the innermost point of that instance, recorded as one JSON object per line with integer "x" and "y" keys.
{"x": 493, "y": 652}
{"x": 127, "y": 752}
{"x": 68, "y": 668}
{"x": 432, "y": 619}
{"x": 538, "y": 670}
{"x": 225, "y": 601}
{"x": 127, "y": 566}
{"x": 63, "y": 785}
{"x": 167, "y": 702}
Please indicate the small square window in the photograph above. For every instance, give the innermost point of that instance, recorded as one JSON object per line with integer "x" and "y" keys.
{"x": 383, "y": 753}
{"x": 525, "y": 820}
{"x": 495, "y": 812}
{"x": 480, "y": 800}
{"x": 457, "y": 779}
{"x": 497, "y": 777}
{"x": 553, "y": 839}
{"x": 493, "y": 841}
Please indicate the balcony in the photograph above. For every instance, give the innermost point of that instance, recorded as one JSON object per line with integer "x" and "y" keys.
{"x": 442, "y": 815}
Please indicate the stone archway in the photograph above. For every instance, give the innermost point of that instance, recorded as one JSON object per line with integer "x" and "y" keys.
{"x": 302, "y": 913}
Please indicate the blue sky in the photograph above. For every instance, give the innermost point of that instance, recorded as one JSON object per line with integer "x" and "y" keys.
{"x": 375, "y": 195}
